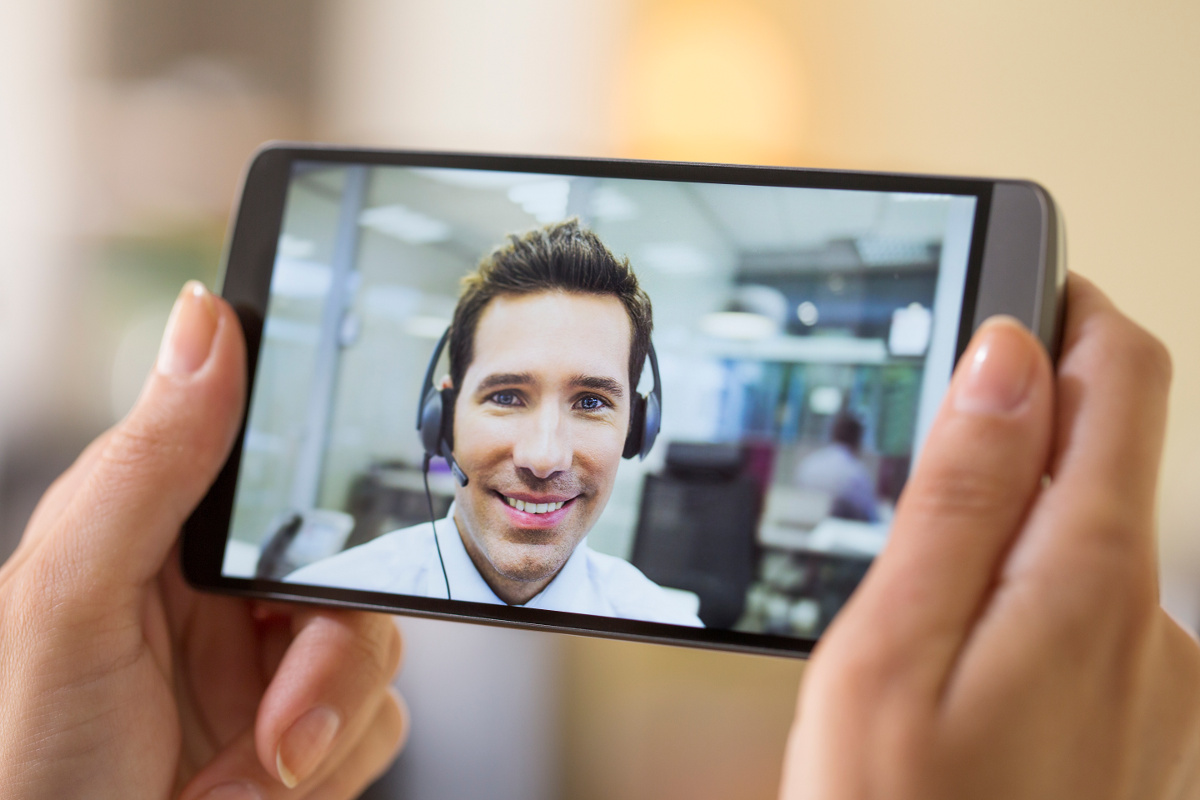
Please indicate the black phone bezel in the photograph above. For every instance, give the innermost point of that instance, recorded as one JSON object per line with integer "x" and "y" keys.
{"x": 247, "y": 268}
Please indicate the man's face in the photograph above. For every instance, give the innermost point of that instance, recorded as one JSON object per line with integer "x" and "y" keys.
{"x": 539, "y": 426}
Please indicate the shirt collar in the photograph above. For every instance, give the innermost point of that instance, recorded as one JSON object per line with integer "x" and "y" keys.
{"x": 566, "y": 591}
{"x": 465, "y": 581}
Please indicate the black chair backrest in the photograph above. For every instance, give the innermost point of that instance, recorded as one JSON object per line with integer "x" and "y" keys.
{"x": 696, "y": 531}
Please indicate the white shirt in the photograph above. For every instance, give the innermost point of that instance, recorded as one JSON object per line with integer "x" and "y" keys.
{"x": 405, "y": 561}
{"x": 836, "y": 470}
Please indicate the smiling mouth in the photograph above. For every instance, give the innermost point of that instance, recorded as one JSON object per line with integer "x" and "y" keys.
{"x": 534, "y": 508}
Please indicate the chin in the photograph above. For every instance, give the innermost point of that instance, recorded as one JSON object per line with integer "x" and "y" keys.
{"x": 525, "y": 572}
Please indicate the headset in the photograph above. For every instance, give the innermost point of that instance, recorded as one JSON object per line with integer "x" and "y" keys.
{"x": 435, "y": 416}
{"x": 435, "y": 422}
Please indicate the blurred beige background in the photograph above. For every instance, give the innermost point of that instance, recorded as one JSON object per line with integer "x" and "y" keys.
{"x": 124, "y": 125}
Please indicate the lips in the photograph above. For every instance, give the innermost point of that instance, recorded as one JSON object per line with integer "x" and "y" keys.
{"x": 543, "y": 512}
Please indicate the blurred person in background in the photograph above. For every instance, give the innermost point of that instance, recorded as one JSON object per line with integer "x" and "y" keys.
{"x": 1007, "y": 643}
{"x": 837, "y": 469}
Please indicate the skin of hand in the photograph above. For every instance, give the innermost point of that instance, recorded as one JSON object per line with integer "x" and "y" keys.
{"x": 117, "y": 680}
{"x": 1009, "y": 642}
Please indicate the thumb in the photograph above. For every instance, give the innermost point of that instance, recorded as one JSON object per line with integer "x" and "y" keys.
{"x": 981, "y": 468}
{"x": 158, "y": 462}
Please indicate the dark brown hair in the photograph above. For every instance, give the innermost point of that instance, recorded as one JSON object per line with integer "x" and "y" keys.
{"x": 562, "y": 256}
{"x": 848, "y": 430}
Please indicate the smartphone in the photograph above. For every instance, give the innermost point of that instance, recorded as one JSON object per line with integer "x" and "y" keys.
{"x": 656, "y": 401}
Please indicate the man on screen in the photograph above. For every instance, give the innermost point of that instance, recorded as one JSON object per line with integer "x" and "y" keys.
{"x": 547, "y": 344}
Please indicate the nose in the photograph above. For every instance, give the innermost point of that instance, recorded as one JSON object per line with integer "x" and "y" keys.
{"x": 543, "y": 446}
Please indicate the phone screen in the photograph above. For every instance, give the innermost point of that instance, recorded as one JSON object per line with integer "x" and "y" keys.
{"x": 803, "y": 340}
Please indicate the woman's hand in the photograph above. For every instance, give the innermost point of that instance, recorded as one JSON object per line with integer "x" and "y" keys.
{"x": 1009, "y": 643}
{"x": 117, "y": 680}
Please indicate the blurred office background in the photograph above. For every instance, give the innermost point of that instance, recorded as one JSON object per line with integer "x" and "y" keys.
{"x": 124, "y": 125}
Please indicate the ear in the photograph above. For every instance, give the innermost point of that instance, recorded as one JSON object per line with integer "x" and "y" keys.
{"x": 445, "y": 382}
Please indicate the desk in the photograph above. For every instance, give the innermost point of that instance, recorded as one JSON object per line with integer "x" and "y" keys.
{"x": 807, "y": 574}
{"x": 830, "y": 536}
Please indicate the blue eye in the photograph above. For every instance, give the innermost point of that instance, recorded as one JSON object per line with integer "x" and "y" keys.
{"x": 505, "y": 399}
{"x": 592, "y": 403}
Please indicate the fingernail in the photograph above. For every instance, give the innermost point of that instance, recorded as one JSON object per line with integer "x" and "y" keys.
{"x": 305, "y": 744}
{"x": 999, "y": 370}
{"x": 233, "y": 791}
{"x": 190, "y": 331}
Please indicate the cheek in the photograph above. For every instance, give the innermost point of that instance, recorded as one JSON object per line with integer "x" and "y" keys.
{"x": 598, "y": 452}
{"x": 479, "y": 440}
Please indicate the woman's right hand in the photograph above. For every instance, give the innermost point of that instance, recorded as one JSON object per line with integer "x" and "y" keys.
{"x": 1009, "y": 642}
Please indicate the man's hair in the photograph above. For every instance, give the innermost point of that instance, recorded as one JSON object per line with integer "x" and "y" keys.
{"x": 562, "y": 256}
{"x": 848, "y": 430}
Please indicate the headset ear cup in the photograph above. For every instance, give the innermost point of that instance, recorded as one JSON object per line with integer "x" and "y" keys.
{"x": 431, "y": 422}
{"x": 652, "y": 421}
{"x": 448, "y": 398}
{"x": 637, "y": 417}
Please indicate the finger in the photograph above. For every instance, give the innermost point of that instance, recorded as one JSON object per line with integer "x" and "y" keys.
{"x": 237, "y": 774}
{"x": 1076, "y": 608}
{"x": 1083, "y": 577}
{"x": 981, "y": 466}
{"x": 218, "y": 651}
{"x": 1112, "y": 389}
{"x": 374, "y": 753}
{"x": 157, "y": 463}
{"x": 329, "y": 679}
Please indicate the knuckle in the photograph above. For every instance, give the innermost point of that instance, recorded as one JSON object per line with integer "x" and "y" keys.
{"x": 852, "y": 666}
{"x": 1064, "y": 620}
{"x": 375, "y": 646}
{"x": 386, "y": 643}
{"x": 348, "y": 643}
{"x": 956, "y": 492}
{"x": 1110, "y": 597}
{"x": 1143, "y": 353}
{"x": 134, "y": 445}
{"x": 1155, "y": 358}
{"x": 1104, "y": 614}
{"x": 1136, "y": 351}
{"x": 1116, "y": 549}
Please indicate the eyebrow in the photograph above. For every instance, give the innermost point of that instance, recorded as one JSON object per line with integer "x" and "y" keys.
{"x": 595, "y": 382}
{"x": 499, "y": 379}
{"x": 609, "y": 385}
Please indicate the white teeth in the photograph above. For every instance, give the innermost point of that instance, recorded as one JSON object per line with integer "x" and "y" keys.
{"x": 534, "y": 508}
